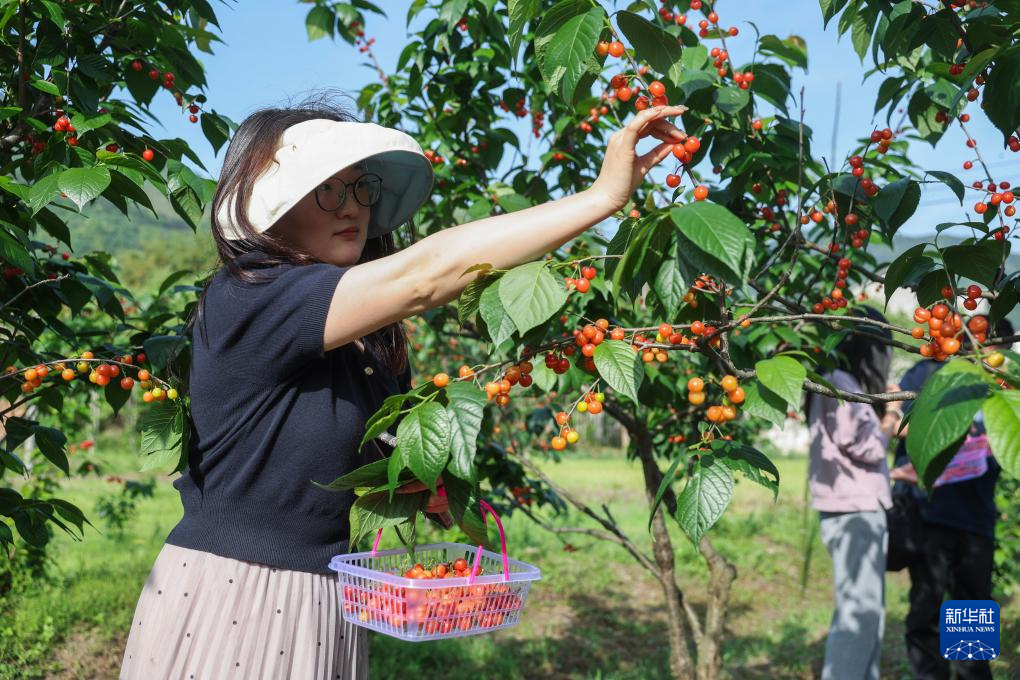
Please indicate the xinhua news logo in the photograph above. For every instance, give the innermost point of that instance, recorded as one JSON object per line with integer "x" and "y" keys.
{"x": 969, "y": 630}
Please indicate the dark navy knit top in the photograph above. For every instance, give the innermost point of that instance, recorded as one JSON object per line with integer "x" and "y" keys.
{"x": 271, "y": 412}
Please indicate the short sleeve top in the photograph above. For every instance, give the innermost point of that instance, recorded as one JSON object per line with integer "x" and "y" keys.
{"x": 272, "y": 412}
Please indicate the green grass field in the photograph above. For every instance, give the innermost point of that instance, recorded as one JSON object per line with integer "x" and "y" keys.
{"x": 594, "y": 614}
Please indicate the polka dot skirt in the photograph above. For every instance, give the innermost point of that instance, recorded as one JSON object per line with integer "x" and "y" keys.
{"x": 205, "y": 617}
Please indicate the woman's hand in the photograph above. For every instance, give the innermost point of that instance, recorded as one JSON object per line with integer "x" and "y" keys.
{"x": 437, "y": 502}
{"x": 622, "y": 169}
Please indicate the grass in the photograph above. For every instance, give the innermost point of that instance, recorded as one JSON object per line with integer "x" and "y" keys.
{"x": 594, "y": 614}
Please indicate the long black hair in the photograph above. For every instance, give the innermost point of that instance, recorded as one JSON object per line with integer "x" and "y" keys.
{"x": 864, "y": 356}
{"x": 249, "y": 154}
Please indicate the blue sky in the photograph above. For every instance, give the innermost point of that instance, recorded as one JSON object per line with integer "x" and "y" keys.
{"x": 267, "y": 59}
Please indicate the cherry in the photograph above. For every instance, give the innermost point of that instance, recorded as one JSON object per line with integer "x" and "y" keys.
{"x": 582, "y": 285}
{"x": 695, "y": 385}
{"x": 588, "y": 272}
{"x": 624, "y": 94}
{"x": 656, "y": 88}
{"x": 602, "y": 48}
{"x": 700, "y": 192}
{"x": 673, "y": 181}
{"x": 148, "y": 155}
{"x": 728, "y": 383}
{"x": 973, "y": 291}
{"x": 616, "y": 48}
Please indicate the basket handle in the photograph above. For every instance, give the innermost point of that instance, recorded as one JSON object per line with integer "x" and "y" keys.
{"x": 375, "y": 545}
{"x": 502, "y": 541}
{"x": 478, "y": 555}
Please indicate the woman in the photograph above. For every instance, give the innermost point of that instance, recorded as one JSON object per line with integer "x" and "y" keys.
{"x": 849, "y": 482}
{"x": 298, "y": 342}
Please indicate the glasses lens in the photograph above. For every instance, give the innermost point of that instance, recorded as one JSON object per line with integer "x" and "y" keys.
{"x": 330, "y": 195}
{"x": 368, "y": 189}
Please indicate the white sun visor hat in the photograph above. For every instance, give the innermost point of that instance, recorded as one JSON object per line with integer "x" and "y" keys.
{"x": 314, "y": 150}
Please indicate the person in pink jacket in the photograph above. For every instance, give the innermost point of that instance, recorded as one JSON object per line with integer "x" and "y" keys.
{"x": 849, "y": 483}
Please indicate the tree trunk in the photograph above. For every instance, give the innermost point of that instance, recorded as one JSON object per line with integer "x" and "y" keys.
{"x": 721, "y": 576}
{"x": 680, "y": 653}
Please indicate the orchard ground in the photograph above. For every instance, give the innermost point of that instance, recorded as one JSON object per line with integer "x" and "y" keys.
{"x": 593, "y": 615}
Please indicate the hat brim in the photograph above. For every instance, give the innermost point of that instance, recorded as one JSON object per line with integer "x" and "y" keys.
{"x": 312, "y": 151}
{"x": 406, "y": 185}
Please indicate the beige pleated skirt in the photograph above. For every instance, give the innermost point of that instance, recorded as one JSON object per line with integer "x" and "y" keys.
{"x": 201, "y": 616}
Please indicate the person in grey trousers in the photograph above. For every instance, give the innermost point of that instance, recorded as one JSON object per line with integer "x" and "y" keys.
{"x": 849, "y": 483}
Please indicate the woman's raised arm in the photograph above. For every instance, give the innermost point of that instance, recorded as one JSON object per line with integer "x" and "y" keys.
{"x": 429, "y": 273}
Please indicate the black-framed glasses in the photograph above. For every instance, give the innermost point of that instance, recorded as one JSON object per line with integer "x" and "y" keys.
{"x": 332, "y": 193}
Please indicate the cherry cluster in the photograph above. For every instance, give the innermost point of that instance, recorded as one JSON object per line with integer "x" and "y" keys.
{"x": 100, "y": 372}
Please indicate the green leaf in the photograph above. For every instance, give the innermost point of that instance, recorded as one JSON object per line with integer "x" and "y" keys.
{"x": 465, "y": 407}
{"x": 463, "y": 498}
{"x": 14, "y": 251}
{"x": 1002, "y": 423}
{"x": 783, "y": 376}
{"x": 923, "y": 113}
{"x": 717, "y": 233}
{"x": 319, "y": 23}
{"x": 764, "y": 403}
{"x": 381, "y": 420}
{"x": 424, "y": 435}
{"x": 860, "y": 34}
{"x": 375, "y": 511}
{"x": 530, "y": 295}
{"x": 705, "y": 497}
{"x": 620, "y": 366}
{"x": 373, "y": 474}
{"x": 163, "y": 430}
{"x": 652, "y": 44}
{"x": 215, "y": 128}
{"x": 498, "y": 323}
{"x": 116, "y": 396}
{"x": 1001, "y": 96}
{"x": 452, "y": 10}
{"x": 45, "y": 86}
{"x": 51, "y": 443}
{"x": 942, "y": 415}
{"x": 772, "y": 83}
{"x": 906, "y": 269}
{"x": 667, "y": 481}
{"x": 467, "y": 303}
{"x": 571, "y": 52}
{"x": 731, "y": 100}
{"x": 792, "y": 50}
{"x": 521, "y": 12}
{"x": 950, "y": 180}
{"x": 896, "y": 203}
{"x": 84, "y": 184}
{"x": 670, "y": 286}
{"x": 556, "y": 16}
{"x": 979, "y": 261}
{"x": 43, "y": 191}
{"x": 749, "y": 462}
{"x": 396, "y": 464}
{"x": 161, "y": 349}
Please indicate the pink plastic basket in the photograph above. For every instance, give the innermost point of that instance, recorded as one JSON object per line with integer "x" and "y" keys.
{"x": 375, "y": 594}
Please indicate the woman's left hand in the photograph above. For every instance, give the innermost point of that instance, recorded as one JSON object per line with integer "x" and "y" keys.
{"x": 622, "y": 169}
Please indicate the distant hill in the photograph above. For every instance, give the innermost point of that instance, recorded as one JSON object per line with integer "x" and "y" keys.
{"x": 147, "y": 248}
